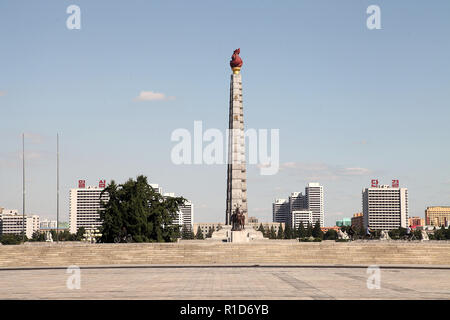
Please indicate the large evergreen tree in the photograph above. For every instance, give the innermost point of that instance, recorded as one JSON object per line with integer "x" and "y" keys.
{"x": 280, "y": 232}
{"x": 317, "y": 232}
{"x": 261, "y": 228}
{"x": 199, "y": 234}
{"x": 272, "y": 234}
{"x": 287, "y": 232}
{"x": 135, "y": 209}
{"x": 187, "y": 233}
{"x": 301, "y": 230}
{"x": 210, "y": 232}
{"x": 309, "y": 230}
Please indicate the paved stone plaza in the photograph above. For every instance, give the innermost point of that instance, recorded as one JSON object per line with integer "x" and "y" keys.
{"x": 226, "y": 283}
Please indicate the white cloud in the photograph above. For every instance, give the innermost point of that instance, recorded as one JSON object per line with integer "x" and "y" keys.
{"x": 355, "y": 171}
{"x": 2, "y": 93}
{"x": 33, "y": 137}
{"x": 322, "y": 171}
{"x": 152, "y": 96}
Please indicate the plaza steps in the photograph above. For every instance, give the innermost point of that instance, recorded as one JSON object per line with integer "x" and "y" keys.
{"x": 196, "y": 252}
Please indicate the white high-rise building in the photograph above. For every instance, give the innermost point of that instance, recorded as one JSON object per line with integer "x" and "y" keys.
{"x": 11, "y": 222}
{"x": 185, "y": 216}
{"x": 280, "y": 210}
{"x": 36, "y": 222}
{"x": 314, "y": 202}
{"x": 85, "y": 203}
{"x": 303, "y": 216}
{"x": 283, "y": 210}
{"x": 385, "y": 207}
{"x": 187, "y": 213}
{"x": 156, "y": 187}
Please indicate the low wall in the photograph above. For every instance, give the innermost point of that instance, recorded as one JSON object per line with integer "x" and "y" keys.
{"x": 211, "y": 253}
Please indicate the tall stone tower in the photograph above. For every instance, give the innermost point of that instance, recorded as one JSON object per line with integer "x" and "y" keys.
{"x": 237, "y": 173}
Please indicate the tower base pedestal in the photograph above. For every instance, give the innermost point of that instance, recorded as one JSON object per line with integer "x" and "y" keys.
{"x": 226, "y": 235}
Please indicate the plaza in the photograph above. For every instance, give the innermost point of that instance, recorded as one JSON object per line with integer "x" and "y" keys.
{"x": 223, "y": 283}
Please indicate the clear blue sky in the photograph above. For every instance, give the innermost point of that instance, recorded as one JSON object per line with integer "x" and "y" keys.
{"x": 342, "y": 96}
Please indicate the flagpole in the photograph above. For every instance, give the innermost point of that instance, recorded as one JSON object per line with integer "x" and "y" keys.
{"x": 57, "y": 186}
{"x": 23, "y": 187}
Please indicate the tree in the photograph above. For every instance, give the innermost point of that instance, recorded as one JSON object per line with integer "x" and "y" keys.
{"x": 309, "y": 230}
{"x": 301, "y": 230}
{"x": 10, "y": 238}
{"x": 294, "y": 233}
{"x": 187, "y": 233}
{"x": 331, "y": 234}
{"x": 280, "y": 232}
{"x": 80, "y": 234}
{"x": 135, "y": 208}
{"x": 37, "y": 236}
{"x": 199, "y": 235}
{"x": 418, "y": 234}
{"x": 440, "y": 234}
{"x": 287, "y": 232}
{"x": 210, "y": 232}
{"x": 317, "y": 232}
{"x": 272, "y": 234}
{"x": 261, "y": 228}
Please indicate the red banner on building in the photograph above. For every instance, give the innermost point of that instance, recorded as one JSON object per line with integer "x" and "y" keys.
{"x": 102, "y": 184}
{"x": 374, "y": 183}
{"x": 395, "y": 183}
{"x": 81, "y": 184}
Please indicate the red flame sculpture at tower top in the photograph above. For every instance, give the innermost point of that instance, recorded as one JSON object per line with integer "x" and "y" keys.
{"x": 236, "y": 61}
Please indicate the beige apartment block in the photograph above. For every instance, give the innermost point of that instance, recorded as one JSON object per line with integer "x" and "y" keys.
{"x": 437, "y": 216}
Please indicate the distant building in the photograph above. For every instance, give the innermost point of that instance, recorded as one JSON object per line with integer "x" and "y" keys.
{"x": 344, "y": 222}
{"x": 415, "y": 222}
{"x": 297, "y": 201}
{"x": 85, "y": 205}
{"x": 156, "y": 188}
{"x": 268, "y": 226}
{"x": 47, "y": 224}
{"x": 35, "y": 220}
{"x": 206, "y": 227}
{"x": 357, "y": 221}
{"x": 312, "y": 200}
{"x": 385, "y": 207}
{"x": 185, "y": 216}
{"x": 301, "y": 216}
{"x": 437, "y": 216}
{"x": 12, "y": 222}
{"x": 280, "y": 210}
{"x": 315, "y": 202}
{"x": 252, "y": 220}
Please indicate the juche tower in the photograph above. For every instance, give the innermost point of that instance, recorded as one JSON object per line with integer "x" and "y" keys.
{"x": 236, "y": 171}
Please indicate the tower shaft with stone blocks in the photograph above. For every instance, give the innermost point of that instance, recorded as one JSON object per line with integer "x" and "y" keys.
{"x": 236, "y": 173}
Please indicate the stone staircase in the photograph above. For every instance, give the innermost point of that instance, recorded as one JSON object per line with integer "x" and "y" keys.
{"x": 216, "y": 253}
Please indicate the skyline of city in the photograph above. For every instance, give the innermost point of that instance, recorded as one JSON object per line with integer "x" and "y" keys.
{"x": 283, "y": 210}
{"x": 115, "y": 98}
